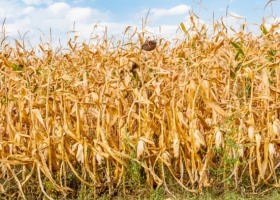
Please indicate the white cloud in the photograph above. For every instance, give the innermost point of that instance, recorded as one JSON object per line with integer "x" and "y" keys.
{"x": 79, "y": 14}
{"x": 36, "y": 2}
{"x": 58, "y": 8}
{"x": 60, "y": 17}
{"x": 177, "y": 10}
{"x": 8, "y": 8}
{"x": 28, "y": 10}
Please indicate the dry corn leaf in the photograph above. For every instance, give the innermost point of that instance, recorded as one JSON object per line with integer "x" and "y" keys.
{"x": 251, "y": 132}
{"x": 176, "y": 148}
{"x": 80, "y": 154}
{"x": 216, "y": 107}
{"x": 219, "y": 140}
{"x": 2, "y": 190}
{"x": 276, "y": 126}
{"x": 199, "y": 139}
{"x": 95, "y": 97}
{"x": 271, "y": 149}
{"x": 259, "y": 160}
{"x": 140, "y": 148}
{"x": 39, "y": 116}
{"x": 166, "y": 157}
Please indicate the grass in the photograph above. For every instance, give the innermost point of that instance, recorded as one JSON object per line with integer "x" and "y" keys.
{"x": 198, "y": 118}
{"x": 159, "y": 194}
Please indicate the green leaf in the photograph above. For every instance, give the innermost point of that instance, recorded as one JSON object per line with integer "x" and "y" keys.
{"x": 272, "y": 52}
{"x": 3, "y": 100}
{"x": 263, "y": 29}
{"x": 239, "y": 65}
{"x": 272, "y": 72}
{"x": 235, "y": 45}
{"x": 269, "y": 59}
{"x": 271, "y": 83}
{"x": 35, "y": 88}
{"x": 240, "y": 52}
{"x": 17, "y": 67}
{"x": 232, "y": 75}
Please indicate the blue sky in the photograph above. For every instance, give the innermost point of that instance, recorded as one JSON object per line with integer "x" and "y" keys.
{"x": 124, "y": 9}
{"x": 38, "y": 16}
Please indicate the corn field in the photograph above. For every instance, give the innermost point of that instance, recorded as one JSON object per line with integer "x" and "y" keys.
{"x": 202, "y": 112}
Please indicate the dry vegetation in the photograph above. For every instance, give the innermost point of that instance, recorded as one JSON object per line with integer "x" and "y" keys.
{"x": 202, "y": 112}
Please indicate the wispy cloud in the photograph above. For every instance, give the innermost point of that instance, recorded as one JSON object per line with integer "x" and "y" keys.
{"x": 59, "y": 16}
{"x": 37, "y": 17}
{"x": 36, "y": 2}
{"x": 177, "y": 10}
